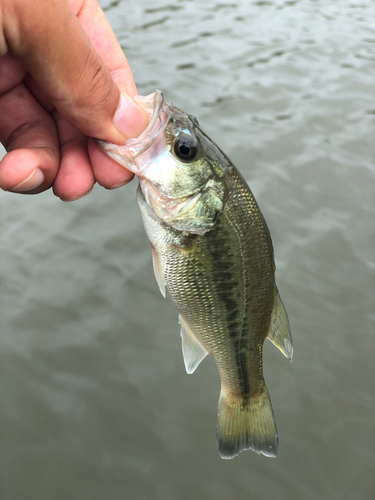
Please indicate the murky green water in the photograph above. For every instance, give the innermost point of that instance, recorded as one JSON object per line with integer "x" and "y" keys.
{"x": 95, "y": 401}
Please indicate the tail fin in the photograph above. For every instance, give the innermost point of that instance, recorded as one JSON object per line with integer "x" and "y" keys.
{"x": 246, "y": 424}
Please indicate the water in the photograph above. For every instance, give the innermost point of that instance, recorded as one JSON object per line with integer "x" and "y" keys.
{"x": 95, "y": 403}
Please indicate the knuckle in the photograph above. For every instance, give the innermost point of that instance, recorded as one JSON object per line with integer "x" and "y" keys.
{"x": 98, "y": 90}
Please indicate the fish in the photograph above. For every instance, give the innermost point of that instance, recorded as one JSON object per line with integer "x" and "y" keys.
{"x": 212, "y": 251}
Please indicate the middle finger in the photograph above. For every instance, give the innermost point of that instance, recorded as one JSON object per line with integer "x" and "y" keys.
{"x": 29, "y": 135}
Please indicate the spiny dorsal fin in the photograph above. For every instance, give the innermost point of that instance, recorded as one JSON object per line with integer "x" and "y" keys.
{"x": 157, "y": 271}
{"x": 279, "y": 330}
{"x": 192, "y": 349}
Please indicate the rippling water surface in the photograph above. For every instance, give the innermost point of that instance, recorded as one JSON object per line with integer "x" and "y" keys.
{"x": 95, "y": 401}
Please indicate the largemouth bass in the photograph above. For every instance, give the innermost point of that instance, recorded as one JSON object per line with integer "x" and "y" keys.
{"x": 212, "y": 250}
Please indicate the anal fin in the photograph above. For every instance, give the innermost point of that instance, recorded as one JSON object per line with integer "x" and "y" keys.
{"x": 279, "y": 330}
{"x": 192, "y": 349}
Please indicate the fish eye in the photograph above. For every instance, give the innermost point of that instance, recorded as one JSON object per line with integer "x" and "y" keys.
{"x": 186, "y": 148}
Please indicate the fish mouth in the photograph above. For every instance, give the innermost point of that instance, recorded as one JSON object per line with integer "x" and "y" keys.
{"x": 158, "y": 111}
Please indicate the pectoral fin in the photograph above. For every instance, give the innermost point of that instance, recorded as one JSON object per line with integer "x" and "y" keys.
{"x": 157, "y": 271}
{"x": 279, "y": 330}
{"x": 192, "y": 349}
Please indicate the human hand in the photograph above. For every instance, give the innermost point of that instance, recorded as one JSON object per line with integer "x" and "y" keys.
{"x": 56, "y": 93}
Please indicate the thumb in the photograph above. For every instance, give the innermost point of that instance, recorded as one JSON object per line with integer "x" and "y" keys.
{"x": 53, "y": 46}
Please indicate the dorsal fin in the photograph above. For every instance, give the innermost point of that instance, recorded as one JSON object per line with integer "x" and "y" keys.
{"x": 157, "y": 271}
{"x": 192, "y": 349}
{"x": 279, "y": 330}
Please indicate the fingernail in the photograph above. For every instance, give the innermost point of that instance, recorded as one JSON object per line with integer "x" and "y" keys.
{"x": 32, "y": 182}
{"x": 130, "y": 119}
